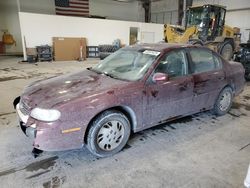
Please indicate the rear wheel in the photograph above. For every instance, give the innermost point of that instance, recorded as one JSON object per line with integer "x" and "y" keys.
{"x": 223, "y": 102}
{"x": 226, "y": 50}
{"x": 108, "y": 134}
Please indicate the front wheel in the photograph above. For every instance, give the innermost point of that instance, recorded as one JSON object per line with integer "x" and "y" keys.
{"x": 223, "y": 102}
{"x": 108, "y": 133}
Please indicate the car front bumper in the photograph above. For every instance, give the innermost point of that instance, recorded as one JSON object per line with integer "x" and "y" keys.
{"x": 49, "y": 136}
{"x": 29, "y": 131}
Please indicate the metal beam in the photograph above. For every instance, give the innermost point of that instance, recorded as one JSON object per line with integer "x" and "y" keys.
{"x": 238, "y": 9}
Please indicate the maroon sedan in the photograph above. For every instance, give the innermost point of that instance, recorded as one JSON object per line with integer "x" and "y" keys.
{"x": 133, "y": 89}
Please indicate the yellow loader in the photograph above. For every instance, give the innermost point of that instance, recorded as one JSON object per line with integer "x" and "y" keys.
{"x": 205, "y": 25}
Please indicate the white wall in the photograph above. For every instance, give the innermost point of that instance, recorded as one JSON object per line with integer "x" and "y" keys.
{"x": 9, "y": 21}
{"x": 243, "y": 22}
{"x": 97, "y": 31}
{"x": 238, "y": 14}
{"x": 112, "y": 10}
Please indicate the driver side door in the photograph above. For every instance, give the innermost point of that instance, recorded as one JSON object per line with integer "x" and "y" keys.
{"x": 170, "y": 98}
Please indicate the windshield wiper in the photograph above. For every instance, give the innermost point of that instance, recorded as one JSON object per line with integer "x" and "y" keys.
{"x": 113, "y": 76}
{"x": 106, "y": 74}
{"x": 110, "y": 75}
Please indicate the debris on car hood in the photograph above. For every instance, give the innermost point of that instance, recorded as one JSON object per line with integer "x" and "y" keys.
{"x": 48, "y": 93}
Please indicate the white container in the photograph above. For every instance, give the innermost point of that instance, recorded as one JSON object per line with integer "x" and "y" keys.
{"x": 247, "y": 180}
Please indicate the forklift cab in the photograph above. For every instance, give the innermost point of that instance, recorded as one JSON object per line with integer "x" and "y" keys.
{"x": 209, "y": 19}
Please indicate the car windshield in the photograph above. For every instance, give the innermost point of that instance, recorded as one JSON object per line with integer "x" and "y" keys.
{"x": 127, "y": 64}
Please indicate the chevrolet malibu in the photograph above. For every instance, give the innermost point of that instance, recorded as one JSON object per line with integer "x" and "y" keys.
{"x": 133, "y": 89}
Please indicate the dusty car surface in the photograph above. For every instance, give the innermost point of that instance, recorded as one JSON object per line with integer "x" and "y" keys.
{"x": 133, "y": 89}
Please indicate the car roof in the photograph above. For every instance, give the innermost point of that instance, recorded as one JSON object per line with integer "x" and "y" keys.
{"x": 157, "y": 46}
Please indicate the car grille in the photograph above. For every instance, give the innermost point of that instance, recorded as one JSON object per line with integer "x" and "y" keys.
{"x": 24, "y": 108}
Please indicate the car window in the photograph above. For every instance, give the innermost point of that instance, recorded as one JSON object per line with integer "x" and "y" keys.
{"x": 203, "y": 61}
{"x": 174, "y": 64}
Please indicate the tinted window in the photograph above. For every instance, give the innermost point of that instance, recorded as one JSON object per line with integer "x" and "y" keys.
{"x": 174, "y": 64}
{"x": 204, "y": 60}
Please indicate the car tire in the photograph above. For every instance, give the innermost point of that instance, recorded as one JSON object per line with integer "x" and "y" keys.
{"x": 223, "y": 102}
{"x": 226, "y": 50}
{"x": 108, "y": 134}
{"x": 107, "y": 48}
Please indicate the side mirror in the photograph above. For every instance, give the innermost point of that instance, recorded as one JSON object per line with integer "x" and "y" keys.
{"x": 160, "y": 77}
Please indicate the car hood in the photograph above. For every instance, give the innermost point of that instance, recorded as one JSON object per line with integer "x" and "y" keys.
{"x": 58, "y": 90}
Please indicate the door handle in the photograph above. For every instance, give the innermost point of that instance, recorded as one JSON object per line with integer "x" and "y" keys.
{"x": 221, "y": 78}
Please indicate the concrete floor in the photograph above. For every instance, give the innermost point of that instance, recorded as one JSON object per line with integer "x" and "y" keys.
{"x": 197, "y": 151}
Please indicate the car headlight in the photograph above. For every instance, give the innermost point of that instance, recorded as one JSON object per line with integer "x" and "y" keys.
{"x": 45, "y": 114}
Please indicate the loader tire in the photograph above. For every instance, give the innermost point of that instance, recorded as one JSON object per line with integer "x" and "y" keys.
{"x": 226, "y": 50}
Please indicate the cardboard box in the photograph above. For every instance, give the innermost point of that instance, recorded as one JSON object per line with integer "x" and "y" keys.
{"x": 68, "y": 49}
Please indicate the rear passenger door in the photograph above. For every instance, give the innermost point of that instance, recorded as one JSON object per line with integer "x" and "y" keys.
{"x": 209, "y": 77}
